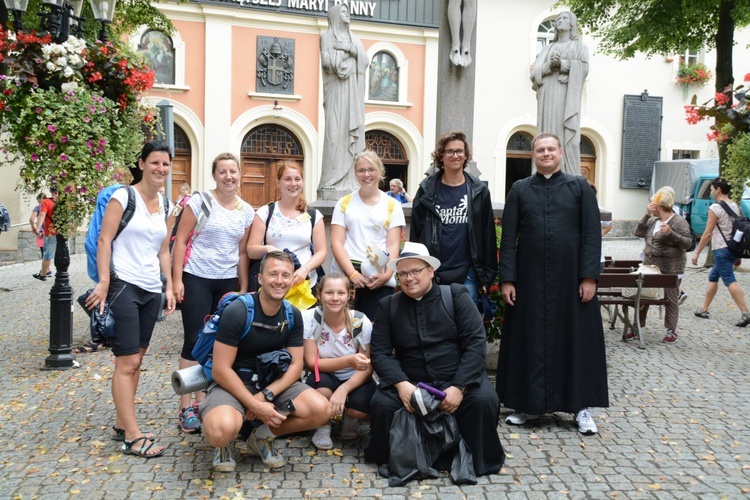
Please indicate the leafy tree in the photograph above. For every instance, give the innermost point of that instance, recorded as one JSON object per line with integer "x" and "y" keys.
{"x": 625, "y": 27}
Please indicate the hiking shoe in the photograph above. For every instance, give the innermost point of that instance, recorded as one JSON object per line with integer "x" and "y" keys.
{"x": 349, "y": 428}
{"x": 586, "y": 423}
{"x": 223, "y": 459}
{"x": 322, "y": 438}
{"x": 681, "y": 298}
{"x": 701, "y": 314}
{"x": 188, "y": 420}
{"x": 744, "y": 320}
{"x": 519, "y": 418}
{"x": 40, "y": 277}
{"x": 267, "y": 451}
{"x": 671, "y": 337}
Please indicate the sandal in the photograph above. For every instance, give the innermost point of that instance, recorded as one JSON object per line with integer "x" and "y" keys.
{"x": 120, "y": 435}
{"x": 90, "y": 347}
{"x": 127, "y": 448}
{"x": 701, "y": 314}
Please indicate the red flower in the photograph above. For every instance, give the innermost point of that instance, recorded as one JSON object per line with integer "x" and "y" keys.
{"x": 721, "y": 99}
{"x": 747, "y": 77}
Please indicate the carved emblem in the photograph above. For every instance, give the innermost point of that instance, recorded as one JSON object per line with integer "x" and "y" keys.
{"x": 275, "y": 65}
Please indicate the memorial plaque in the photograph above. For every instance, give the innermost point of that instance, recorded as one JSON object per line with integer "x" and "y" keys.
{"x": 275, "y": 69}
{"x": 641, "y": 140}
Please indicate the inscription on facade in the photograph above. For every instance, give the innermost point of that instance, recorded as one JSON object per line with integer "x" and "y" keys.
{"x": 641, "y": 140}
{"x": 275, "y": 73}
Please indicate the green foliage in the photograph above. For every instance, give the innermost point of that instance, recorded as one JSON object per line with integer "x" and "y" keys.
{"x": 737, "y": 169}
{"x": 625, "y": 27}
{"x": 494, "y": 326}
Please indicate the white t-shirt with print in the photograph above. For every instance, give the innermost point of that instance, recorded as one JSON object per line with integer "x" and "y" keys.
{"x": 294, "y": 234}
{"x": 215, "y": 251}
{"x": 135, "y": 252}
{"x": 364, "y": 224}
{"x": 336, "y": 345}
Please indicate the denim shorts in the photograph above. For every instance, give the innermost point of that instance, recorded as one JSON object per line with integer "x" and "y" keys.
{"x": 723, "y": 267}
{"x": 50, "y": 246}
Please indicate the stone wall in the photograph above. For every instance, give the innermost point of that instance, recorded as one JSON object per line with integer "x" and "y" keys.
{"x": 28, "y": 251}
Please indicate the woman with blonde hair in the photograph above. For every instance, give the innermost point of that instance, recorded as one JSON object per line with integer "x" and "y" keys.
{"x": 667, "y": 237}
{"x": 337, "y": 354}
{"x": 365, "y": 222}
{"x": 216, "y": 264}
{"x": 287, "y": 224}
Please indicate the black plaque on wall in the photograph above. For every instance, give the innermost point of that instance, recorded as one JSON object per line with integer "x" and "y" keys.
{"x": 275, "y": 73}
{"x": 641, "y": 140}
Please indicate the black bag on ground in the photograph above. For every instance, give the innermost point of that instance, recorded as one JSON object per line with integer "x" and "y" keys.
{"x": 739, "y": 241}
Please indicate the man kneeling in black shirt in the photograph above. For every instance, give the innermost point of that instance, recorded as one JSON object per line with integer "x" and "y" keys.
{"x": 230, "y": 400}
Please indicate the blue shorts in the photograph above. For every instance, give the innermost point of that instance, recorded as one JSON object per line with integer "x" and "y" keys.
{"x": 723, "y": 267}
{"x": 50, "y": 246}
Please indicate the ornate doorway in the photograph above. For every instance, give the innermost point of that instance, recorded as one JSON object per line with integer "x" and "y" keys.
{"x": 262, "y": 148}
{"x": 393, "y": 154}
{"x": 517, "y": 159}
{"x": 180, "y": 162}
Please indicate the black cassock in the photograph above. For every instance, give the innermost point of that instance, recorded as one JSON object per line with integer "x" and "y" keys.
{"x": 552, "y": 355}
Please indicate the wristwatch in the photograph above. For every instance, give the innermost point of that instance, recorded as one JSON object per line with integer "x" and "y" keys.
{"x": 268, "y": 394}
{"x": 461, "y": 388}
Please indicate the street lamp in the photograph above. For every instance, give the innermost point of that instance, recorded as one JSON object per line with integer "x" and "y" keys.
{"x": 17, "y": 8}
{"x": 104, "y": 12}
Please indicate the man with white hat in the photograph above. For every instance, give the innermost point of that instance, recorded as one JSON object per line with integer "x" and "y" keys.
{"x": 432, "y": 334}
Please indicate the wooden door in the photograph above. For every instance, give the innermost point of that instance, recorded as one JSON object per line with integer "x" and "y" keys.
{"x": 588, "y": 168}
{"x": 258, "y": 181}
{"x": 180, "y": 173}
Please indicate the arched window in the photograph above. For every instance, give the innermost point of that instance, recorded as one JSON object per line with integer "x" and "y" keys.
{"x": 520, "y": 142}
{"x": 383, "y": 78}
{"x": 271, "y": 140}
{"x": 517, "y": 159}
{"x": 392, "y": 152}
{"x": 158, "y": 50}
{"x": 545, "y": 34}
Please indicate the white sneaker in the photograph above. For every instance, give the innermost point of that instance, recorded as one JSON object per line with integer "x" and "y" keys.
{"x": 267, "y": 451}
{"x": 519, "y": 418}
{"x": 223, "y": 459}
{"x": 349, "y": 428}
{"x": 322, "y": 438}
{"x": 586, "y": 424}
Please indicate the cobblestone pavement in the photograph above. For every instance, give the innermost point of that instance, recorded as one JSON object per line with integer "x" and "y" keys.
{"x": 676, "y": 427}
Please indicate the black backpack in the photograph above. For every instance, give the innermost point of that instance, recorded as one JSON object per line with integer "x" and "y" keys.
{"x": 739, "y": 241}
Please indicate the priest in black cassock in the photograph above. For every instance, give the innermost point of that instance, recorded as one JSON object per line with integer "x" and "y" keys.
{"x": 418, "y": 336}
{"x": 552, "y": 356}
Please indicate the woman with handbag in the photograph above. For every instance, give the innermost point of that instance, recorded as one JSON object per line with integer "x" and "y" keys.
{"x": 667, "y": 237}
{"x": 129, "y": 271}
{"x": 364, "y": 222}
{"x": 287, "y": 224}
{"x": 337, "y": 355}
{"x": 208, "y": 262}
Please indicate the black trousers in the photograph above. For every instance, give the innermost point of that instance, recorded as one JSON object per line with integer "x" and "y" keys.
{"x": 477, "y": 421}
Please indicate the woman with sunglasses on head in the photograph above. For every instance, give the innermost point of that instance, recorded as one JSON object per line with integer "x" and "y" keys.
{"x": 207, "y": 265}
{"x": 365, "y": 222}
{"x": 337, "y": 354}
{"x": 452, "y": 216}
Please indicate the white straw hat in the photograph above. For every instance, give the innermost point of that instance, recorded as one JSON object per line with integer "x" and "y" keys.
{"x": 414, "y": 250}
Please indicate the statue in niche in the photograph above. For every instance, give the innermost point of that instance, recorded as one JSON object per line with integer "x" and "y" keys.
{"x": 344, "y": 63}
{"x": 461, "y": 23}
{"x": 558, "y": 76}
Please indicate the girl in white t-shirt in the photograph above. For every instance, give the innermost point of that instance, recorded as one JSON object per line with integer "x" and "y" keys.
{"x": 363, "y": 218}
{"x": 217, "y": 264}
{"x": 291, "y": 226}
{"x": 339, "y": 359}
{"x": 133, "y": 291}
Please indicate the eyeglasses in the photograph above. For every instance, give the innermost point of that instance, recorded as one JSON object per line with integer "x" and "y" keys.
{"x": 410, "y": 274}
{"x": 363, "y": 171}
{"x": 457, "y": 152}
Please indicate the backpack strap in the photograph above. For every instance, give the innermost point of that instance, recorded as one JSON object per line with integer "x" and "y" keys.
{"x": 345, "y": 200}
{"x": 249, "y": 302}
{"x": 446, "y": 294}
{"x": 128, "y": 211}
{"x": 358, "y": 324}
{"x": 165, "y": 200}
{"x": 271, "y": 206}
{"x": 391, "y": 207}
{"x": 729, "y": 212}
{"x": 206, "y": 204}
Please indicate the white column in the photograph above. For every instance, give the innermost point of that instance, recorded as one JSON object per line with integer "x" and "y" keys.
{"x": 430, "y": 110}
{"x": 218, "y": 96}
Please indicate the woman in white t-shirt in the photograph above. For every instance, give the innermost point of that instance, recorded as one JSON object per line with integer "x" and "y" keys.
{"x": 291, "y": 226}
{"x": 337, "y": 354}
{"x": 216, "y": 264}
{"x": 366, "y": 218}
{"x": 132, "y": 286}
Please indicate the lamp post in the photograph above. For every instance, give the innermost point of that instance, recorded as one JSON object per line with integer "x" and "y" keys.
{"x": 57, "y": 21}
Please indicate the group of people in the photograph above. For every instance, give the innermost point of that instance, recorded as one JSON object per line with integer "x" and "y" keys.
{"x": 430, "y": 332}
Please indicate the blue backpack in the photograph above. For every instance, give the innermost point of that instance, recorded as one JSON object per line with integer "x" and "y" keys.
{"x": 4, "y": 219}
{"x": 204, "y": 347}
{"x": 95, "y": 225}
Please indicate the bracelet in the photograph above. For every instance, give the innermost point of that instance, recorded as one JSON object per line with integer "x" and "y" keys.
{"x": 351, "y": 278}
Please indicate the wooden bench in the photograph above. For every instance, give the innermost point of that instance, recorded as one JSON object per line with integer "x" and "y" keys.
{"x": 625, "y": 263}
{"x": 609, "y": 293}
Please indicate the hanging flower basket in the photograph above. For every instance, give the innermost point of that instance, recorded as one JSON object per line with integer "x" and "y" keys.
{"x": 71, "y": 116}
{"x": 693, "y": 74}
